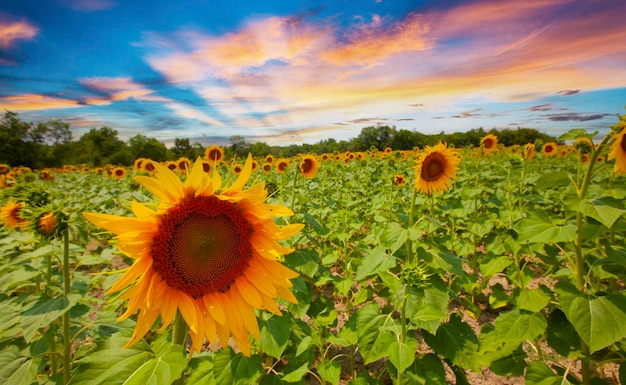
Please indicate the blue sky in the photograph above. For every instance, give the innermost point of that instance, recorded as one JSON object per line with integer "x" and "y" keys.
{"x": 302, "y": 71}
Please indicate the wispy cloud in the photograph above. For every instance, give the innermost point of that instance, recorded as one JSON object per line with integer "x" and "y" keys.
{"x": 12, "y": 31}
{"x": 89, "y": 5}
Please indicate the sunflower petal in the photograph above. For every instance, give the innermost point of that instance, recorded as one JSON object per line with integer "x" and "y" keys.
{"x": 243, "y": 177}
{"x": 133, "y": 272}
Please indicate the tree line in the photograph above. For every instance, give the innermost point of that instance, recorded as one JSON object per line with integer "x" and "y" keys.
{"x": 50, "y": 144}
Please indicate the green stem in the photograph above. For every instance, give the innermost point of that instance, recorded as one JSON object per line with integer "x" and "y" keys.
{"x": 53, "y": 343}
{"x": 67, "y": 346}
{"x": 293, "y": 195}
{"x": 409, "y": 242}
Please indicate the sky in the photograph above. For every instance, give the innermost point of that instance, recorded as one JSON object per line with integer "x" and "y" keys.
{"x": 285, "y": 72}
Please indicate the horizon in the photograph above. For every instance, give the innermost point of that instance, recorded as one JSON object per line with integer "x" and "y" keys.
{"x": 302, "y": 73}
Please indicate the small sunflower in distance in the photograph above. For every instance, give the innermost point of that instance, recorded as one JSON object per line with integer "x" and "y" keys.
{"x": 435, "y": 169}
{"x": 618, "y": 152}
{"x": 208, "y": 252}
{"x": 489, "y": 142}
{"x": 549, "y": 149}
{"x": 214, "y": 154}
{"x": 309, "y": 166}
{"x": 11, "y": 215}
{"x": 398, "y": 180}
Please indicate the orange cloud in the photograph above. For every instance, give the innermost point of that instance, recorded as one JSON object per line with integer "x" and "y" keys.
{"x": 13, "y": 31}
{"x": 31, "y": 102}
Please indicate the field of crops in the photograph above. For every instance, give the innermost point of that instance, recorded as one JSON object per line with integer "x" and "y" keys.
{"x": 510, "y": 269}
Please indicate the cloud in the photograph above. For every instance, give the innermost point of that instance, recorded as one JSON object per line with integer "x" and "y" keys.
{"x": 568, "y": 92}
{"x": 12, "y": 31}
{"x": 575, "y": 117}
{"x": 32, "y": 102}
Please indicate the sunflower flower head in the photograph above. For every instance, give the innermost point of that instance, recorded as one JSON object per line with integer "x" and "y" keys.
{"x": 489, "y": 142}
{"x": 435, "y": 169}
{"x": 49, "y": 224}
{"x": 618, "y": 152}
{"x": 214, "y": 154}
{"x": 11, "y": 215}
{"x": 207, "y": 252}
{"x": 549, "y": 149}
{"x": 309, "y": 166}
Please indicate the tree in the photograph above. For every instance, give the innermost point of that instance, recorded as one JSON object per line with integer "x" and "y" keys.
{"x": 143, "y": 147}
{"x": 99, "y": 146}
{"x": 238, "y": 146}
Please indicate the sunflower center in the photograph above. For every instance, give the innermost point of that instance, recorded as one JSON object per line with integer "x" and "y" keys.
{"x": 433, "y": 167}
{"x": 623, "y": 143}
{"x": 307, "y": 165}
{"x": 487, "y": 143}
{"x": 202, "y": 245}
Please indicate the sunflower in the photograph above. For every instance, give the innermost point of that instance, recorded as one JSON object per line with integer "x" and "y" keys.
{"x": 267, "y": 167}
{"x": 549, "y": 149}
{"x": 618, "y": 152}
{"x": 171, "y": 165}
{"x": 529, "y": 151}
{"x": 489, "y": 142}
{"x": 183, "y": 164}
{"x": 214, "y": 154}
{"x": 4, "y": 168}
{"x": 282, "y": 165}
{"x": 269, "y": 159}
{"x": 398, "y": 180}
{"x": 435, "y": 169}
{"x": 118, "y": 172}
{"x": 11, "y": 216}
{"x": 309, "y": 166}
{"x": 148, "y": 165}
{"x": 211, "y": 254}
{"x": 237, "y": 168}
{"x": 139, "y": 163}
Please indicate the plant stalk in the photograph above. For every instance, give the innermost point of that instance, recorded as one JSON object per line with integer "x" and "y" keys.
{"x": 67, "y": 345}
{"x": 179, "y": 337}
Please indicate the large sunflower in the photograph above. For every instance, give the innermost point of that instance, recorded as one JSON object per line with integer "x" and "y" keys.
{"x": 11, "y": 215}
{"x": 435, "y": 169}
{"x": 618, "y": 152}
{"x": 210, "y": 253}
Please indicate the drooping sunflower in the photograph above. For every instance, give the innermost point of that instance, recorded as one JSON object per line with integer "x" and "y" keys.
{"x": 309, "y": 166}
{"x": 214, "y": 154}
{"x": 11, "y": 215}
{"x": 208, "y": 252}
{"x": 529, "y": 151}
{"x": 435, "y": 169}
{"x": 618, "y": 152}
{"x": 489, "y": 142}
{"x": 549, "y": 149}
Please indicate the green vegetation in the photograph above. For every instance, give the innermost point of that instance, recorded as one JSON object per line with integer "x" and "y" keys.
{"x": 51, "y": 144}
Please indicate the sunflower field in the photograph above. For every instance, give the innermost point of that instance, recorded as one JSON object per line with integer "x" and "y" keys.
{"x": 433, "y": 266}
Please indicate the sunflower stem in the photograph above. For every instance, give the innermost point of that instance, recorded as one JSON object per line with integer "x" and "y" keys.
{"x": 53, "y": 343}
{"x": 179, "y": 337}
{"x": 66, "y": 316}
{"x": 409, "y": 242}
{"x": 293, "y": 194}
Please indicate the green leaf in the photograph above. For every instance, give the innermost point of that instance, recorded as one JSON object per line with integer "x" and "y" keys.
{"x": 377, "y": 260}
{"x": 275, "y": 335}
{"x": 329, "y": 371}
{"x": 441, "y": 259}
{"x": 393, "y": 237}
{"x": 44, "y": 311}
{"x": 533, "y": 300}
{"x": 532, "y": 231}
{"x": 495, "y": 265}
{"x": 576, "y": 133}
{"x": 161, "y": 370}
{"x": 297, "y": 374}
{"x": 231, "y": 368}
{"x": 456, "y": 341}
{"x": 373, "y": 337}
{"x": 561, "y": 335}
{"x": 552, "y": 180}
{"x": 200, "y": 370}
{"x": 538, "y": 373}
{"x": 517, "y": 326}
{"x": 605, "y": 210}
{"x": 598, "y": 320}
{"x": 402, "y": 354}
{"x": 16, "y": 369}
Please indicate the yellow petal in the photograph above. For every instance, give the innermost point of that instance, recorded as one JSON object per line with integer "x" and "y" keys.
{"x": 243, "y": 176}
{"x": 248, "y": 292}
{"x": 213, "y": 304}
{"x": 144, "y": 324}
{"x": 188, "y": 310}
{"x": 156, "y": 188}
{"x": 141, "y": 211}
{"x": 135, "y": 270}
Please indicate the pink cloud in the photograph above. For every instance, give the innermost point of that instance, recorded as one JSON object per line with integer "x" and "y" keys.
{"x": 32, "y": 102}
{"x": 10, "y": 32}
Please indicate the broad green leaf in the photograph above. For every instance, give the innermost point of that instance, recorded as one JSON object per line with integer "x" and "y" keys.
{"x": 495, "y": 265}
{"x": 561, "y": 335}
{"x": 161, "y": 370}
{"x": 552, "y": 180}
{"x": 275, "y": 335}
{"x": 605, "y": 210}
{"x": 44, "y": 311}
{"x": 402, "y": 354}
{"x": 516, "y": 326}
{"x": 499, "y": 297}
{"x": 532, "y": 231}
{"x": 373, "y": 337}
{"x": 231, "y": 368}
{"x": 598, "y": 320}
{"x": 297, "y": 374}
{"x": 273, "y": 379}
{"x": 533, "y": 299}
{"x": 576, "y": 133}
{"x": 304, "y": 345}
{"x": 393, "y": 237}
{"x": 330, "y": 371}
{"x": 377, "y": 260}
{"x": 456, "y": 341}
{"x": 538, "y": 373}
{"x": 443, "y": 260}
{"x": 200, "y": 370}
{"x": 15, "y": 368}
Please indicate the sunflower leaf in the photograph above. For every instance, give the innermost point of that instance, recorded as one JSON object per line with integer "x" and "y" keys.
{"x": 275, "y": 335}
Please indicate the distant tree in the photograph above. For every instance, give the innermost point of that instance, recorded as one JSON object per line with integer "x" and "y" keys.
{"x": 143, "y": 147}
{"x": 184, "y": 148}
{"x": 21, "y": 143}
{"x": 238, "y": 146}
{"x": 99, "y": 146}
